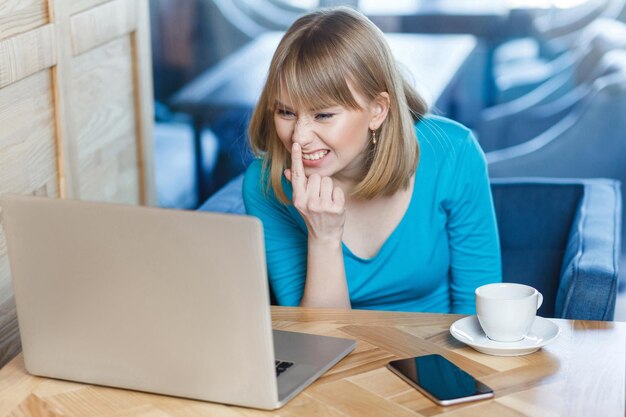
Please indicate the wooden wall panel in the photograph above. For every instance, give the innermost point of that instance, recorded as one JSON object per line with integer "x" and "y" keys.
{"x": 27, "y": 166}
{"x": 27, "y": 137}
{"x": 19, "y": 16}
{"x": 26, "y": 54}
{"x": 102, "y": 24}
{"x": 102, "y": 109}
{"x": 102, "y": 28}
{"x": 76, "y": 6}
{"x": 75, "y": 110}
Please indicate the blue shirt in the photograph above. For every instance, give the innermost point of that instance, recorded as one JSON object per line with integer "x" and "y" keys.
{"x": 445, "y": 246}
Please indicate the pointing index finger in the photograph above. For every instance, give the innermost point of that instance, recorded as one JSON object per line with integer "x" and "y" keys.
{"x": 297, "y": 168}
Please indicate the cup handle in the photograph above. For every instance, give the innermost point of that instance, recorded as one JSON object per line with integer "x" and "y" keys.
{"x": 539, "y": 300}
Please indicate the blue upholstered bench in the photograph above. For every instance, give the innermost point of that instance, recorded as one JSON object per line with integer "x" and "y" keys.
{"x": 561, "y": 236}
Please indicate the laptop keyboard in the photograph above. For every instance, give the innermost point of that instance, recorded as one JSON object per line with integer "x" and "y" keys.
{"x": 282, "y": 366}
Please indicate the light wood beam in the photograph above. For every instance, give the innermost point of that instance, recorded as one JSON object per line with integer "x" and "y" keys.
{"x": 61, "y": 75}
{"x": 144, "y": 107}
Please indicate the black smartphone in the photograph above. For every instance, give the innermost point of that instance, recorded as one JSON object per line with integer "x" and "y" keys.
{"x": 440, "y": 380}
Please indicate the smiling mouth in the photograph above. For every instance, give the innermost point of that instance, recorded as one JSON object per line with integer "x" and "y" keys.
{"x": 314, "y": 156}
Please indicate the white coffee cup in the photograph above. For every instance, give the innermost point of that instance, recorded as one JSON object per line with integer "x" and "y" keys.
{"x": 506, "y": 311}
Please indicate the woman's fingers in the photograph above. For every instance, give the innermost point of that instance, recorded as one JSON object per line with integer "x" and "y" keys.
{"x": 338, "y": 197}
{"x": 298, "y": 179}
{"x": 313, "y": 188}
{"x": 313, "y": 195}
{"x": 326, "y": 192}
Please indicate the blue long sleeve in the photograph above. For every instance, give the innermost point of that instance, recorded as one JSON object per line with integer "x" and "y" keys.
{"x": 472, "y": 229}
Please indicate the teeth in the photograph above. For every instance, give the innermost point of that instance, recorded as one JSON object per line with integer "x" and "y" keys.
{"x": 314, "y": 156}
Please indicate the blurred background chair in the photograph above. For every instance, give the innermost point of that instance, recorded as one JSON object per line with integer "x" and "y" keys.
{"x": 559, "y": 29}
{"x": 550, "y": 33}
{"x": 174, "y": 166}
{"x": 522, "y": 119}
{"x": 590, "y": 142}
{"x": 174, "y": 153}
{"x": 560, "y": 236}
{"x": 516, "y": 78}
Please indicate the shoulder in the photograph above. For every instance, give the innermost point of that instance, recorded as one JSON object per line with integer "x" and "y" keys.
{"x": 255, "y": 177}
{"x": 254, "y": 170}
{"x": 442, "y": 122}
{"x": 445, "y": 139}
{"x": 447, "y": 149}
{"x": 433, "y": 130}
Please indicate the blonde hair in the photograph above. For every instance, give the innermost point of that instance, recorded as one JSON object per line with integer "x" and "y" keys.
{"x": 321, "y": 54}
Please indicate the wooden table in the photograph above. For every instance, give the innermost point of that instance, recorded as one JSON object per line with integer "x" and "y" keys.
{"x": 582, "y": 373}
{"x": 431, "y": 62}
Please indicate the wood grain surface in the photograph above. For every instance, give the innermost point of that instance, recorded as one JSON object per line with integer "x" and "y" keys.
{"x": 20, "y": 16}
{"x": 102, "y": 24}
{"x": 77, "y": 6}
{"x": 104, "y": 116}
{"x": 72, "y": 126}
{"x": 26, "y": 54}
{"x": 582, "y": 373}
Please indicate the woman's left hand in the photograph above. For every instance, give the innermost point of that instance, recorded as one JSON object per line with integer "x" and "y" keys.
{"x": 320, "y": 202}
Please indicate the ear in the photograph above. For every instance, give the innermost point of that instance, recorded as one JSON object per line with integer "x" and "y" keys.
{"x": 379, "y": 108}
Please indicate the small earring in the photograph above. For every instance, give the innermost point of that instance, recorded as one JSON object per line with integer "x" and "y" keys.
{"x": 374, "y": 137}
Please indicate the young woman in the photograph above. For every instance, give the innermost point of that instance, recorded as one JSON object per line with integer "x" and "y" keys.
{"x": 366, "y": 201}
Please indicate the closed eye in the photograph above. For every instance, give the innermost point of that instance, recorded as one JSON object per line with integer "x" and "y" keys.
{"x": 285, "y": 113}
{"x": 324, "y": 116}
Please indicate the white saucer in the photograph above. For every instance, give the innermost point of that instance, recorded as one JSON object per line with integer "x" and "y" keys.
{"x": 468, "y": 331}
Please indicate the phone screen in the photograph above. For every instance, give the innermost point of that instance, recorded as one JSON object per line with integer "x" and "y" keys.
{"x": 440, "y": 379}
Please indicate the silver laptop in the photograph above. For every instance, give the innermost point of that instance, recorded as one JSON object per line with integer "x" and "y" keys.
{"x": 166, "y": 301}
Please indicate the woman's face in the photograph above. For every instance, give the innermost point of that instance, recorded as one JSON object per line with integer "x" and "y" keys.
{"x": 333, "y": 140}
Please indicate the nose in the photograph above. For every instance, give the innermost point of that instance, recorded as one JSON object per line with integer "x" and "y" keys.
{"x": 302, "y": 132}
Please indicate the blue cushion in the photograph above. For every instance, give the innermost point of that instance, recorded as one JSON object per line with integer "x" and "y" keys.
{"x": 562, "y": 237}
{"x": 228, "y": 199}
{"x": 590, "y": 262}
{"x": 533, "y": 227}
